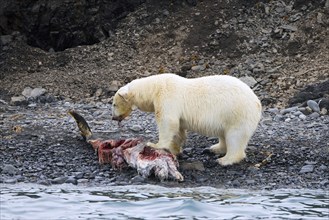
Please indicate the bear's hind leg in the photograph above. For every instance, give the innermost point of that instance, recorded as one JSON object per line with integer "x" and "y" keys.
{"x": 219, "y": 148}
{"x": 236, "y": 143}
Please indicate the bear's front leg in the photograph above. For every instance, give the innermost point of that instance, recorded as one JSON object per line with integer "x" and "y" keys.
{"x": 168, "y": 133}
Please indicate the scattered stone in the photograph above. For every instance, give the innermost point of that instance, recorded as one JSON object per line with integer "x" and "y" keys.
{"x": 83, "y": 181}
{"x": 114, "y": 86}
{"x": 44, "y": 182}
{"x": 27, "y": 92}
{"x": 72, "y": 180}
{"x": 138, "y": 179}
{"x": 314, "y": 115}
{"x": 250, "y": 182}
{"x": 250, "y": 81}
{"x": 18, "y": 100}
{"x": 98, "y": 92}
{"x": 273, "y": 110}
{"x": 59, "y": 180}
{"x": 36, "y": 92}
{"x": 5, "y": 39}
{"x": 195, "y": 165}
{"x": 289, "y": 28}
{"x": 313, "y": 105}
{"x": 136, "y": 128}
{"x": 10, "y": 181}
{"x": 307, "y": 168}
{"x": 297, "y": 113}
{"x": 302, "y": 116}
{"x": 288, "y": 110}
{"x": 9, "y": 169}
{"x": 323, "y": 167}
{"x": 198, "y": 68}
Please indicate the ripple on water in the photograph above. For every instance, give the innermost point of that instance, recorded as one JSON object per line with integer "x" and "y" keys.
{"x": 26, "y": 201}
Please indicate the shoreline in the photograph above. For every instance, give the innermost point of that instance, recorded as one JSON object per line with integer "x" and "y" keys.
{"x": 41, "y": 144}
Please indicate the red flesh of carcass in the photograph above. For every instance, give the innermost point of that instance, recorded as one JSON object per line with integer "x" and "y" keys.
{"x": 133, "y": 152}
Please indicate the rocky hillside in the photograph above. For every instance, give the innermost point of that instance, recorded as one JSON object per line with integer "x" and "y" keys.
{"x": 281, "y": 46}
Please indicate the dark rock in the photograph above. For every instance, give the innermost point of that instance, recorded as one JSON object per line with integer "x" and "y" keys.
{"x": 324, "y": 103}
{"x": 311, "y": 92}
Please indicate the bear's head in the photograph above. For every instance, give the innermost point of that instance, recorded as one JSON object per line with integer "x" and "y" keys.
{"x": 122, "y": 104}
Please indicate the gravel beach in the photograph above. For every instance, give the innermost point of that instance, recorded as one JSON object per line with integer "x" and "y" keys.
{"x": 279, "y": 48}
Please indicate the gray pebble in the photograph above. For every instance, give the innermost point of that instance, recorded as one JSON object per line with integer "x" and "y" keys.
{"x": 9, "y": 169}
{"x": 288, "y": 110}
{"x": 313, "y": 105}
{"x": 307, "y": 168}
{"x": 138, "y": 179}
{"x": 72, "y": 180}
{"x": 59, "y": 180}
{"x": 18, "y": 100}
{"x": 198, "y": 68}
{"x": 44, "y": 182}
{"x": 78, "y": 175}
{"x": 273, "y": 110}
{"x": 136, "y": 128}
{"x": 314, "y": 115}
{"x": 323, "y": 167}
{"x": 250, "y": 182}
{"x": 10, "y": 181}
{"x": 83, "y": 181}
{"x": 278, "y": 118}
{"x": 250, "y": 81}
{"x": 297, "y": 113}
{"x": 302, "y": 116}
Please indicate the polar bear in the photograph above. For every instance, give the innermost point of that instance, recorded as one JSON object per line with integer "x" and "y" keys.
{"x": 218, "y": 106}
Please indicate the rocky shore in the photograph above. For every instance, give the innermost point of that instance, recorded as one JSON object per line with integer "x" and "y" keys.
{"x": 279, "y": 48}
{"x": 41, "y": 144}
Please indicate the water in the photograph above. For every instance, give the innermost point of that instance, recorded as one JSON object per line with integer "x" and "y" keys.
{"x": 27, "y": 201}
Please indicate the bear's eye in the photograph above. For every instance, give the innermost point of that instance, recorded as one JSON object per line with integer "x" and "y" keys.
{"x": 114, "y": 105}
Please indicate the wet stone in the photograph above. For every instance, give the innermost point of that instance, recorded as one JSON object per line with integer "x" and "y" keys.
{"x": 59, "y": 180}
{"x": 72, "y": 180}
{"x": 44, "y": 182}
{"x": 138, "y": 179}
{"x": 10, "y": 181}
{"x": 9, "y": 169}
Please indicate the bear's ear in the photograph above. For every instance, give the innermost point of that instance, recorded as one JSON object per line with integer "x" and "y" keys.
{"x": 123, "y": 93}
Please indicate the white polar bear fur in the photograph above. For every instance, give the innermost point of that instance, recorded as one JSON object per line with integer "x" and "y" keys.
{"x": 220, "y": 106}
